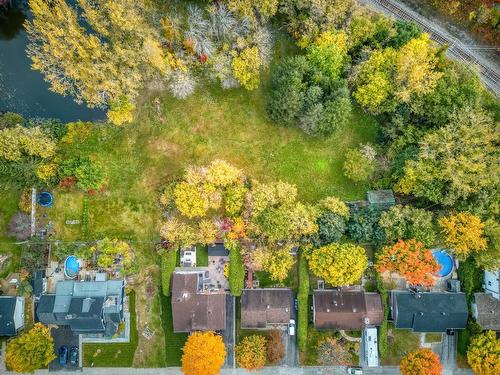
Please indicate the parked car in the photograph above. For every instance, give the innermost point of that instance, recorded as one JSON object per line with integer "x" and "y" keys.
{"x": 291, "y": 327}
{"x": 296, "y": 303}
{"x": 73, "y": 356}
{"x": 355, "y": 370}
{"x": 63, "y": 355}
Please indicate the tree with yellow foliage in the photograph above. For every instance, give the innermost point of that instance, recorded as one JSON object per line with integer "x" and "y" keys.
{"x": 203, "y": 354}
{"x": 339, "y": 264}
{"x": 464, "y": 233}
{"x": 190, "y": 200}
{"x": 95, "y": 51}
{"x": 251, "y": 352}
{"x": 31, "y": 350}
{"x": 246, "y": 68}
{"x": 483, "y": 354}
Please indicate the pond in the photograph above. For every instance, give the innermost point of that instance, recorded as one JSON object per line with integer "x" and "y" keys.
{"x": 23, "y": 90}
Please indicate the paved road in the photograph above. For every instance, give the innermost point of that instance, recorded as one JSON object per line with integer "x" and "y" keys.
{"x": 265, "y": 371}
{"x": 489, "y": 72}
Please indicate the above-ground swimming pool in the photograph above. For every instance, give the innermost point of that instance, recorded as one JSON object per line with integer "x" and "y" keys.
{"x": 71, "y": 266}
{"x": 445, "y": 261}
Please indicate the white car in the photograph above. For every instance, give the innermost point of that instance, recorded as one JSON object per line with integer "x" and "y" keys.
{"x": 291, "y": 327}
{"x": 355, "y": 371}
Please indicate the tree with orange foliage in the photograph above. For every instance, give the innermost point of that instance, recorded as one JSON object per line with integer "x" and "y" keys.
{"x": 421, "y": 362}
{"x": 203, "y": 354}
{"x": 251, "y": 352}
{"x": 411, "y": 260}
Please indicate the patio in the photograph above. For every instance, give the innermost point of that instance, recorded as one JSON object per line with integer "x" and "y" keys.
{"x": 216, "y": 266}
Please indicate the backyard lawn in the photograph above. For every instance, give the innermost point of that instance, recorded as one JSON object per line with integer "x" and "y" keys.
{"x": 400, "y": 342}
{"x": 114, "y": 355}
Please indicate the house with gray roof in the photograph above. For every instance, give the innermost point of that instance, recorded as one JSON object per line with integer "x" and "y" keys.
{"x": 265, "y": 308}
{"x": 428, "y": 311}
{"x": 486, "y": 311}
{"x": 11, "y": 315}
{"x": 94, "y": 307}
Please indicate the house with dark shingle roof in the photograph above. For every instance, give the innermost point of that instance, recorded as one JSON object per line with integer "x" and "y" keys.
{"x": 486, "y": 311}
{"x": 94, "y": 307}
{"x": 196, "y": 305}
{"x": 428, "y": 311}
{"x": 265, "y": 308}
{"x": 11, "y": 315}
{"x": 349, "y": 310}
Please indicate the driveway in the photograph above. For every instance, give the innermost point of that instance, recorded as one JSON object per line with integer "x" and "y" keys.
{"x": 291, "y": 349}
{"x": 228, "y": 335}
{"x": 63, "y": 336}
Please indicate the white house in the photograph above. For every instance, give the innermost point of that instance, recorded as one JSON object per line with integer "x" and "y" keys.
{"x": 491, "y": 284}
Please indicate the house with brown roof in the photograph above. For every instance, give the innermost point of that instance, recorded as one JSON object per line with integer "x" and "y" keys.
{"x": 197, "y": 305}
{"x": 349, "y": 310}
{"x": 266, "y": 308}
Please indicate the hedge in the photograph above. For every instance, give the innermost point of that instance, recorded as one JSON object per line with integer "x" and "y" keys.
{"x": 303, "y": 302}
{"x": 382, "y": 331}
{"x": 168, "y": 261}
{"x": 236, "y": 271}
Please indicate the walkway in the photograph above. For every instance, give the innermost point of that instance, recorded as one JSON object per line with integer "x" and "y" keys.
{"x": 489, "y": 72}
{"x": 2, "y": 357}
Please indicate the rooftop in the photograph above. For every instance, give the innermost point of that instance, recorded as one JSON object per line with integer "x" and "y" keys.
{"x": 351, "y": 310}
{"x": 194, "y": 306}
{"x": 263, "y": 307}
{"x": 487, "y": 311}
{"x": 429, "y": 312}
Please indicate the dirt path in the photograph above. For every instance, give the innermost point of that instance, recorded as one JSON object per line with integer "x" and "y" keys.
{"x": 488, "y": 68}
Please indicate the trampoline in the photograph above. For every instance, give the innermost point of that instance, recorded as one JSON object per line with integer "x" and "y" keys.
{"x": 71, "y": 267}
{"x": 445, "y": 261}
{"x": 45, "y": 199}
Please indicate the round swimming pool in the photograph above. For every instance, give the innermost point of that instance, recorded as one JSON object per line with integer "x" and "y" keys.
{"x": 71, "y": 266}
{"x": 445, "y": 261}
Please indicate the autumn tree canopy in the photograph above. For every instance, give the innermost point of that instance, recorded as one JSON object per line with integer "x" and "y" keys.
{"x": 204, "y": 353}
{"x": 411, "y": 260}
{"x": 483, "y": 354}
{"x": 464, "y": 233}
{"x": 421, "y": 362}
{"x": 251, "y": 352}
{"x": 339, "y": 264}
{"x": 31, "y": 350}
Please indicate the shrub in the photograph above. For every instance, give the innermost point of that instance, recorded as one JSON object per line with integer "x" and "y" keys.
{"x": 89, "y": 174}
{"x": 363, "y": 226}
{"x": 331, "y": 228}
{"x": 357, "y": 166}
{"x": 10, "y": 119}
{"x": 483, "y": 354}
{"x": 274, "y": 347}
{"x": 332, "y": 353}
{"x": 168, "y": 262}
{"x": 236, "y": 269}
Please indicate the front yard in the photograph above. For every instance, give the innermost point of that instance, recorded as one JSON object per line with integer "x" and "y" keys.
{"x": 114, "y": 355}
{"x": 400, "y": 342}
{"x": 328, "y": 348}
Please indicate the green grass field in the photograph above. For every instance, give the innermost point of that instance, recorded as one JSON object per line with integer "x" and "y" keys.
{"x": 401, "y": 342}
{"x": 114, "y": 355}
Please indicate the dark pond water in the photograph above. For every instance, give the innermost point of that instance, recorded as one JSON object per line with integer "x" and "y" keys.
{"x": 23, "y": 90}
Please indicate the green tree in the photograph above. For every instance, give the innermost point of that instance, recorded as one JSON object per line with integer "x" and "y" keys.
{"x": 339, "y": 264}
{"x": 89, "y": 174}
{"x": 490, "y": 258}
{"x": 331, "y": 228}
{"x": 363, "y": 226}
{"x": 456, "y": 163}
{"x": 110, "y": 249}
{"x": 358, "y": 166}
{"x": 30, "y": 351}
{"x": 407, "y": 222}
{"x": 328, "y": 55}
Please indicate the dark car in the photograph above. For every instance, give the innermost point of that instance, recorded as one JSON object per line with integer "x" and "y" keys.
{"x": 73, "y": 356}
{"x": 296, "y": 304}
{"x": 63, "y": 355}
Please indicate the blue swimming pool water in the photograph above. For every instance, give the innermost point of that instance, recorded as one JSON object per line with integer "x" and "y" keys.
{"x": 445, "y": 261}
{"x": 71, "y": 266}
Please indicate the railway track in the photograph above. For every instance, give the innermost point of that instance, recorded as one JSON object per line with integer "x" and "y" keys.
{"x": 490, "y": 74}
